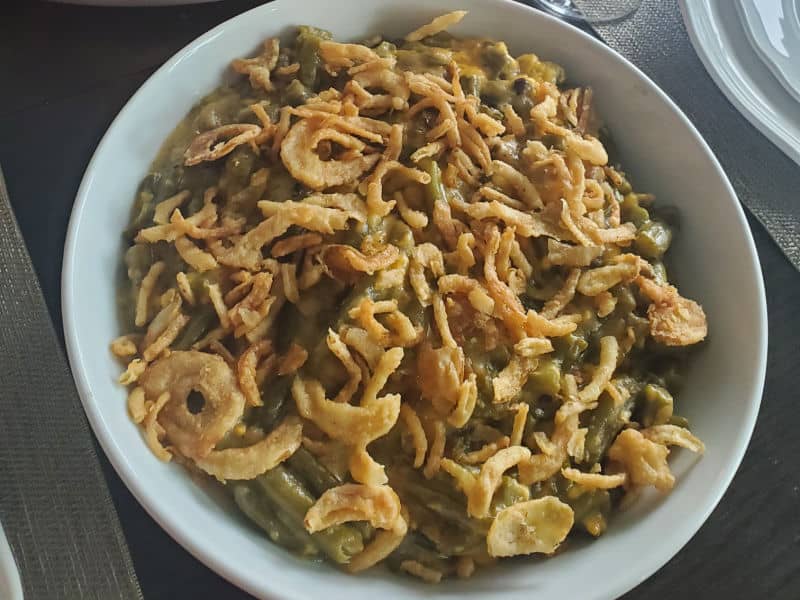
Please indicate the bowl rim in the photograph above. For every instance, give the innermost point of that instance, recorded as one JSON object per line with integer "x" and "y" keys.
{"x": 205, "y": 553}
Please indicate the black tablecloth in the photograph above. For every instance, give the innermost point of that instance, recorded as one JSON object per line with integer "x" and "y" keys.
{"x": 65, "y": 71}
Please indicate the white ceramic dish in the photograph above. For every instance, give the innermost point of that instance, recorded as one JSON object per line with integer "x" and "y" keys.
{"x": 10, "y": 584}
{"x": 129, "y": 3}
{"x": 773, "y": 29}
{"x": 721, "y": 43}
{"x": 660, "y": 148}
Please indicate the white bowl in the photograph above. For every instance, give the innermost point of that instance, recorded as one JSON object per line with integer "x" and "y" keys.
{"x": 714, "y": 253}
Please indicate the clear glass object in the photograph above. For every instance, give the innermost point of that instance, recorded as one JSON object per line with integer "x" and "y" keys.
{"x": 591, "y": 11}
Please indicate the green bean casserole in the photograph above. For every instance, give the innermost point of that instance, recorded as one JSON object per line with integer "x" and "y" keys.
{"x": 396, "y": 300}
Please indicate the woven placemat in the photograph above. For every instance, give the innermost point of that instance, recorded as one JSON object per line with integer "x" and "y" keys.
{"x": 54, "y": 504}
{"x": 766, "y": 180}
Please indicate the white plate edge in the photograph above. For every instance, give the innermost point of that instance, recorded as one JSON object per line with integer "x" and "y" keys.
{"x": 756, "y": 33}
{"x": 10, "y": 583}
{"x": 763, "y": 122}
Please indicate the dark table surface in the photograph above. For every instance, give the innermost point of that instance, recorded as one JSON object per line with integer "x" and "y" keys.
{"x": 65, "y": 71}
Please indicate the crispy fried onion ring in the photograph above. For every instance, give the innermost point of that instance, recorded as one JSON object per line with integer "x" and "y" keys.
{"x": 251, "y": 461}
{"x": 305, "y": 165}
{"x": 672, "y": 435}
{"x": 508, "y": 307}
{"x": 338, "y": 55}
{"x": 479, "y": 497}
{"x": 246, "y": 370}
{"x": 596, "y": 281}
{"x": 219, "y": 142}
{"x": 323, "y": 213}
{"x": 509, "y": 382}
{"x": 644, "y": 461}
{"x": 400, "y": 332}
{"x": 571, "y": 256}
{"x": 467, "y": 398}
{"x": 534, "y": 526}
{"x": 440, "y": 373}
{"x": 414, "y": 427}
{"x": 477, "y": 295}
{"x": 345, "y": 263}
{"x": 540, "y": 467}
{"x": 378, "y": 505}
{"x": 480, "y": 490}
{"x": 417, "y": 569}
{"x": 508, "y": 178}
{"x": 424, "y": 256}
{"x": 163, "y": 329}
{"x": 374, "y": 185}
{"x": 342, "y": 352}
{"x": 437, "y": 25}
{"x": 594, "y": 481}
{"x": 609, "y": 352}
{"x": 386, "y": 79}
{"x": 341, "y": 421}
{"x": 353, "y": 425}
{"x": 674, "y": 320}
{"x": 180, "y": 373}
{"x": 260, "y": 67}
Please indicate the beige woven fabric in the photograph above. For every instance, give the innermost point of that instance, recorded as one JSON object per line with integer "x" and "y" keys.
{"x": 54, "y": 504}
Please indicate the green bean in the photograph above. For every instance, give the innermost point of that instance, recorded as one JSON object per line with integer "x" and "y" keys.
{"x": 295, "y": 93}
{"x": 308, "y": 40}
{"x": 415, "y": 547}
{"x": 530, "y": 65}
{"x": 198, "y": 283}
{"x": 679, "y": 421}
{"x": 570, "y": 348}
{"x": 274, "y": 393}
{"x": 416, "y": 56}
{"x": 546, "y": 379}
{"x": 659, "y": 272}
{"x": 138, "y": 259}
{"x": 496, "y": 92}
{"x": 143, "y": 210}
{"x": 385, "y": 49}
{"x": 322, "y": 364}
{"x": 592, "y": 509}
{"x": 292, "y": 501}
{"x": 245, "y": 201}
{"x": 554, "y": 141}
{"x": 415, "y": 132}
{"x": 236, "y": 173}
{"x": 543, "y": 409}
{"x": 312, "y": 472}
{"x": 632, "y": 211}
{"x": 435, "y": 189}
{"x": 280, "y": 185}
{"x": 201, "y": 323}
{"x": 253, "y": 503}
{"x": 194, "y": 205}
{"x": 510, "y": 492}
{"x": 626, "y": 301}
{"x": 498, "y": 62}
{"x": 472, "y": 84}
{"x": 451, "y": 507}
{"x": 216, "y": 109}
{"x": 522, "y": 105}
{"x": 656, "y": 406}
{"x": 653, "y": 239}
{"x": 606, "y": 421}
{"x": 495, "y": 113}
{"x": 397, "y": 233}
